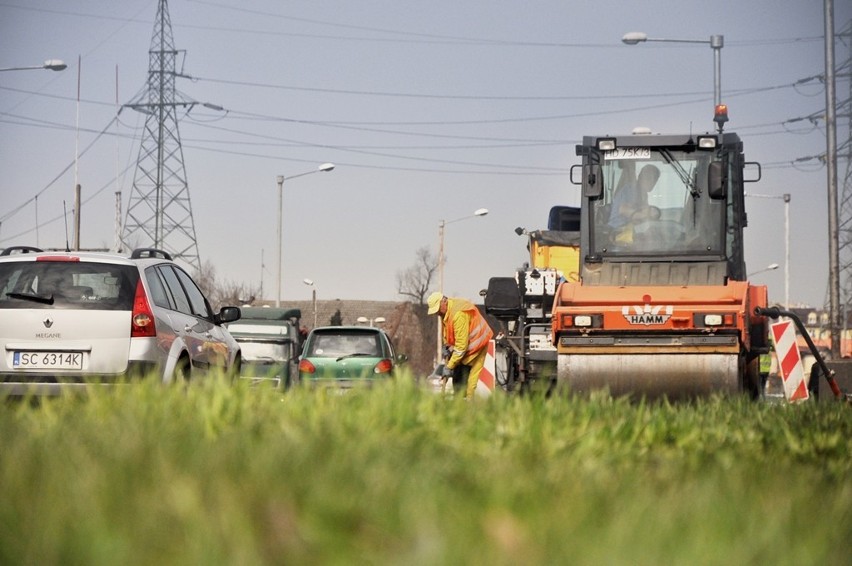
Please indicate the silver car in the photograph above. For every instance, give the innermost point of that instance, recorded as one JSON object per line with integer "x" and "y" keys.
{"x": 68, "y": 319}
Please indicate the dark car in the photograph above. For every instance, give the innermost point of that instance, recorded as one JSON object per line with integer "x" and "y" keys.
{"x": 270, "y": 342}
{"x": 347, "y": 356}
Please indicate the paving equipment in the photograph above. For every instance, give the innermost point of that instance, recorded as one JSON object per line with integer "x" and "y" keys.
{"x": 525, "y": 356}
{"x": 662, "y": 305}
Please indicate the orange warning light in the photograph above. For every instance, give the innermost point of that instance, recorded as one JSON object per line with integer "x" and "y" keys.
{"x": 721, "y": 114}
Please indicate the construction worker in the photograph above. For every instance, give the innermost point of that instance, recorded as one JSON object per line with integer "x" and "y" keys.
{"x": 630, "y": 203}
{"x": 630, "y": 207}
{"x": 466, "y": 333}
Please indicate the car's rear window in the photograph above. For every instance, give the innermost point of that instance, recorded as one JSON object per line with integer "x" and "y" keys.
{"x": 67, "y": 285}
{"x": 344, "y": 342}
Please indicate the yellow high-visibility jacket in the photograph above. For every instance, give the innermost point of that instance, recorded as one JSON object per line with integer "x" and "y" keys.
{"x": 465, "y": 330}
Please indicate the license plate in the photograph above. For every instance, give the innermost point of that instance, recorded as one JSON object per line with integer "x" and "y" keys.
{"x": 628, "y": 153}
{"x": 47, "y": 360}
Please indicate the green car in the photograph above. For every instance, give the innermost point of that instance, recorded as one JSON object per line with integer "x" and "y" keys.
{"x": 347, "y": 356}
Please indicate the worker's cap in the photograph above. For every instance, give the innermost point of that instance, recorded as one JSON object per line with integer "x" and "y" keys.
{"x": 434, "y": 302}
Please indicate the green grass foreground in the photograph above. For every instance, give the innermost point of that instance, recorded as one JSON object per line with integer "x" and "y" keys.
{"x": 217, "y": 474}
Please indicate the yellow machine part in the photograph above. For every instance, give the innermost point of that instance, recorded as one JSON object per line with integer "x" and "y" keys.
{"x": 564, "y": 258}
{"x": 652, "y": 375}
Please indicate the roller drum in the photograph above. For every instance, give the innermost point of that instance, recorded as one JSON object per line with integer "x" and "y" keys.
{"x": 651, "y": 375}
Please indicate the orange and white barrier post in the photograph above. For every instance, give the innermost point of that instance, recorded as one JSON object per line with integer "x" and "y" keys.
{"x": 789, "y": 361}
{"x": 485, "y": 385}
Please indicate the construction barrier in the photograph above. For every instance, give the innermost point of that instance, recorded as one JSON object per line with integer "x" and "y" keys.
{"x": 789, "y": 361}
{"x": 485, "y": 385}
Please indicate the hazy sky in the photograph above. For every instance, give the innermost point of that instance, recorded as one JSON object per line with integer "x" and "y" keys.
{"x": 430, "y": 110}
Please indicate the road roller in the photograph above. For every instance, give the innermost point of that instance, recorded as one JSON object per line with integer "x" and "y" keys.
{"x": 662, "y": 306}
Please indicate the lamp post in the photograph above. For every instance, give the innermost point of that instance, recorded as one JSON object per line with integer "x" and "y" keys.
{"x": 377, "y": 320}
{"x": 311, "y": 284}
{"x": 441, "y": 260}
{"x": 716, "y": 42}
{"x": 786, "y": 198}
{"x": 50, "y": 65}
{"x": 280, "y": 179}
{"x": 770, "y": 267}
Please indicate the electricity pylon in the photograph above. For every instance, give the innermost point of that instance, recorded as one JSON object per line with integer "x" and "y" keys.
{"x": 844, "y": 153}
{"x": 159, "y": 213}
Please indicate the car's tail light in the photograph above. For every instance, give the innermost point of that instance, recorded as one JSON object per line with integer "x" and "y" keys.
{"x": 142, "y": 319}
{"x": 305, "y": 366}
{"x": 384, "y": 366}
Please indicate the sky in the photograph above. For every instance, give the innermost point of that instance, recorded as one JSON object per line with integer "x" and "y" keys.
{"x": 429, "y": 111}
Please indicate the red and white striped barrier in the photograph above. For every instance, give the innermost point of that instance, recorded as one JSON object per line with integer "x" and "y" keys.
{"x": 789, "y": 361}
{"x": 485, "y": 385}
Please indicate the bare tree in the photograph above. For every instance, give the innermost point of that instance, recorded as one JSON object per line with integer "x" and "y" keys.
{"x": 233, "y": 294}
{"x": 222, "y": 293}
{"x": 414, "y": 282}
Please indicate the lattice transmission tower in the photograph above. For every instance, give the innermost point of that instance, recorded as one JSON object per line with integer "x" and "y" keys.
{"x": 844, "y": 165}
{"x": 159, "y": 213}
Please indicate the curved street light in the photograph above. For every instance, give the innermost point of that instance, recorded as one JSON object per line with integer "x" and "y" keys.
{"x": 716, "y": 42}
{"x": 310, "y": 283}
{"x": 280, "y": 179}
{"x": 50, "y": 65}
{"x": 441, "y": 225}
{"x": 786, "y": 198}
{"x": 770, "y": 267}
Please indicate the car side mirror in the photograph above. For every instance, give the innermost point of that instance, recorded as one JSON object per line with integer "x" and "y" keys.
{"x": 592, "y": 181}
{"x": 716, "y": 181}
{"x": 227, "y": 314}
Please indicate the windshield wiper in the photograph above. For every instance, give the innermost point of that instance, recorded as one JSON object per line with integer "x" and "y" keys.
{"x": 356, "y": 355}
{"x": 681, "y": 172}
{"x": 33, "y": 298}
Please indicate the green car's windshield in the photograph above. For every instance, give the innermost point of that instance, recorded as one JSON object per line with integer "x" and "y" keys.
{"x": 343, "y": 344}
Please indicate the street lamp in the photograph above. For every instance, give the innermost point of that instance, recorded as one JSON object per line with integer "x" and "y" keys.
{"x": 441, "y": 259}
{"x": 310, "y": 283}
{"x": 377, "y": 320}
{"x": 770, "y": 267}
{"x": 786, "y": 198}
{"x": 50, "y": 65}
{"x": 280, "y": 179}
{"x": 716, "y": 42}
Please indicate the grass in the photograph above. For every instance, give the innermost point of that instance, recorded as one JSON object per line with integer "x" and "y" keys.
{"x": 216, "y": 474}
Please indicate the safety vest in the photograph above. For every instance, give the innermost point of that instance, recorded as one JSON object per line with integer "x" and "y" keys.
{"x": 765, "y": 363}
{"x": 479, "y": 333}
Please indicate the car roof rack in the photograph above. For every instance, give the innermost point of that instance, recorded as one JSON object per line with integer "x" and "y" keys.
{"x": 20, "y": 249}
{"x": 139, "y": 253}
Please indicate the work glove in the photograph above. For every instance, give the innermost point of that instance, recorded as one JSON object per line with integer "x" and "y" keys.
{"x": 446, "y": 372}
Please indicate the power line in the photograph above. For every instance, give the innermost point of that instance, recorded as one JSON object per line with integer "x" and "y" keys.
{"x": 395, "y": 35}
{"x": 57, "y": 177}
